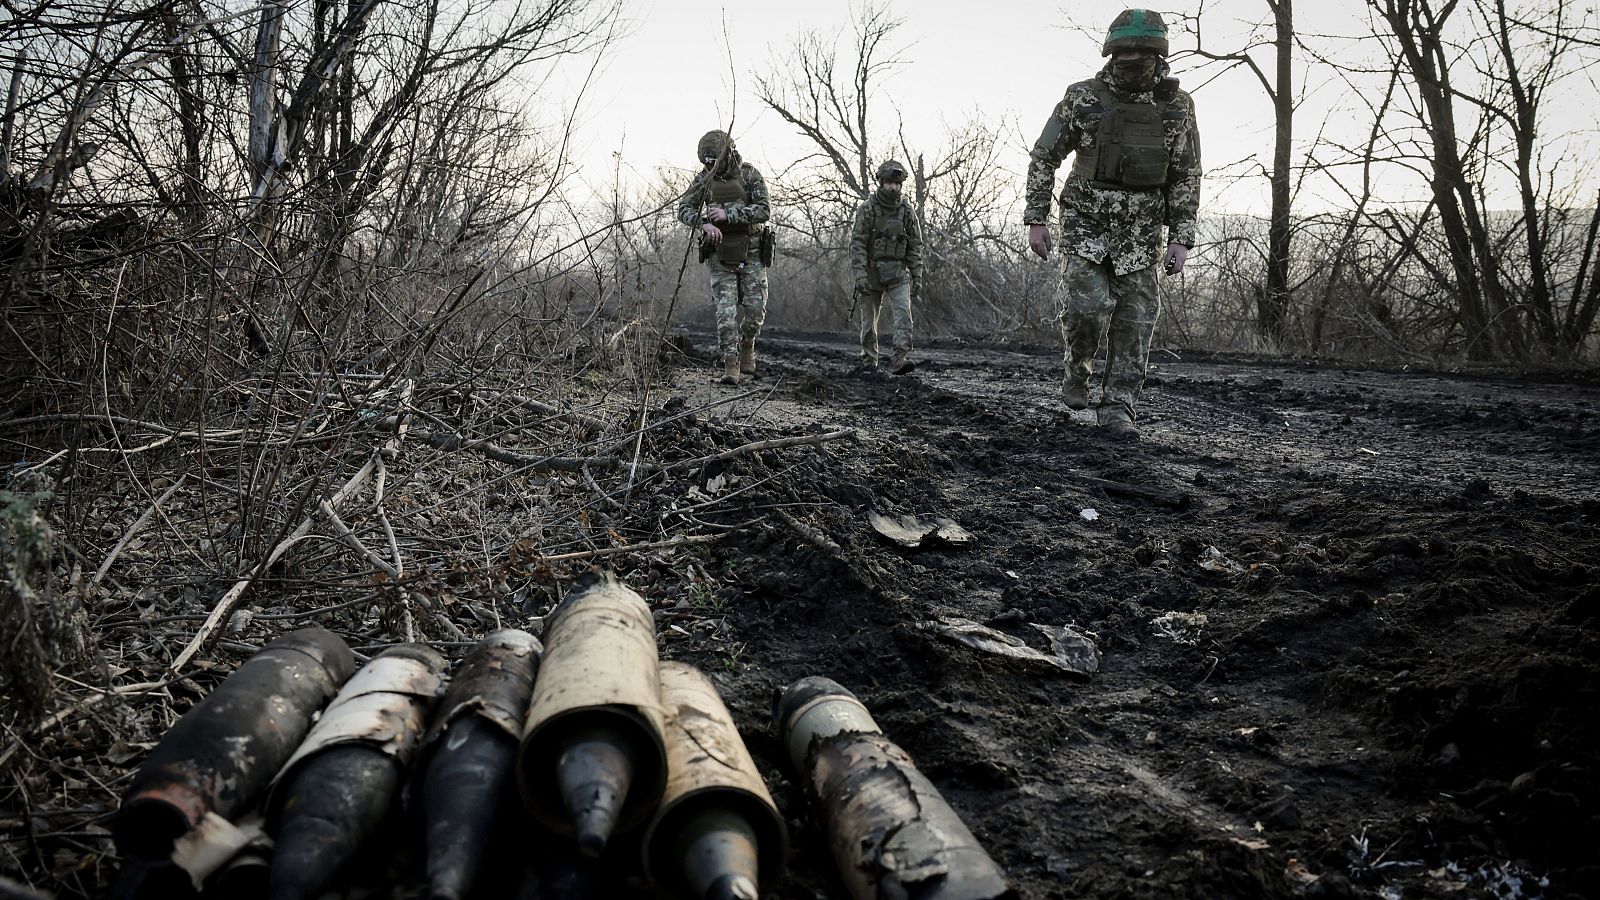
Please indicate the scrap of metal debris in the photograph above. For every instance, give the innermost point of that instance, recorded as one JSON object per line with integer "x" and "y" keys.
{"x": 1214, "y": 560}
{"x": 913, "y": 533}
{"x": 1071, "y": 650}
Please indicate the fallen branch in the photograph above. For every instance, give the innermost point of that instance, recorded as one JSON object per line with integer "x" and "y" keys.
{"x": 573, "y": 464}
{"x": 134, "y": 529}
{"x": 211, "y": 629}
{"x": 633, "y": 548}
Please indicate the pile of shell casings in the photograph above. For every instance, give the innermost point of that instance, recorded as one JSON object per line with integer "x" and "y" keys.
{"x": 297, "y": 776}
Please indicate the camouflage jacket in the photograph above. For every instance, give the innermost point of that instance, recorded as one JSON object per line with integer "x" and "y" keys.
{"x": 866, "y": 221}
{"x": 1123, "y": 226}
{"x": 755, "y": 210}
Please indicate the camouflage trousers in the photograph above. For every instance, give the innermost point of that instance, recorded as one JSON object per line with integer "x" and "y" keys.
{"x": 1097, "y": 303}
{"x": 739, "y": 297}
{"x": 868, "y": 307}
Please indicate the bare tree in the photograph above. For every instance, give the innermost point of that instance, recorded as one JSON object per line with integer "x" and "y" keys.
{"x": 1274, "y": 300}
{"x": 831, "y": 101}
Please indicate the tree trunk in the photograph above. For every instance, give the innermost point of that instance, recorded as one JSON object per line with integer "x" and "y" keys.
{"x": 1273, "y": 313}
{"x": 1524, "y": 128}
{"x": 1480, "y": 297}
{"x": 263, "y": 84}
{"x": 191, "y": 115}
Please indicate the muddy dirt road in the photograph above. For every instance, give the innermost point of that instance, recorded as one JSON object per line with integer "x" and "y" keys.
{"x": 1348, "y": 618}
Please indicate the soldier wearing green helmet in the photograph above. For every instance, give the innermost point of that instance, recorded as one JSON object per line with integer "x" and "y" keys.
{"x": 886, "y": 259}
{"x": 1135, "y": 174}
{"x": 728, "y": 205}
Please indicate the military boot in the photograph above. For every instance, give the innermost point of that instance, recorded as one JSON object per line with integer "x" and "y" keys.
{"x": 747, "y": 356}
{"x": 1118, "y": 423}
{"x": 730, "y": 370}
{"x": 901, "y": 362}
{"x": 1075, "y": 395}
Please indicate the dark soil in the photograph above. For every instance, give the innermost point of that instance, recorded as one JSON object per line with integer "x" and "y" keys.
{"x": 1349, "y": 618}
{"x": 1381, "y": 683}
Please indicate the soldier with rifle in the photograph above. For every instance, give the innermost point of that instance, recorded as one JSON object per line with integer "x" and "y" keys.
{"x": 886, "y": 258}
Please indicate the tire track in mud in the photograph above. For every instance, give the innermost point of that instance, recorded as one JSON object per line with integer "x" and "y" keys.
{"x": 1360, "y": 618}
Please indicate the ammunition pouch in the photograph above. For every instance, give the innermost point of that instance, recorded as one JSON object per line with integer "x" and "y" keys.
{"x": 886, "y": 273}
{"x": 735, "y": 246}
{"x": 890, "y": 240}
{"x": 768, "y": 244}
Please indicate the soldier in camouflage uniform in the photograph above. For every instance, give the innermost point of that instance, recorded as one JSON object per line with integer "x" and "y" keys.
{"x": 886, "y": 258}
{"x": 728, "y": 205}
{"x": 1136, "y": 170}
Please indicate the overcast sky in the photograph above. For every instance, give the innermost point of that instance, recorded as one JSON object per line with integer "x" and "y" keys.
{"x": 667, "y": 80}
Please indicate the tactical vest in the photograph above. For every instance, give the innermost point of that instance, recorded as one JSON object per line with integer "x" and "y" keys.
{"x": 735, "y": 246}
{"x": 1130, "y": 151}
{"x": 886, "y": 247}
{"x": 889, "y": 236}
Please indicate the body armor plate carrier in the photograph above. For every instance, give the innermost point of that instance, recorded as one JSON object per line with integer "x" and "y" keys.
{"x": 887, "y": 249}
{"x": 735, "y": 246}
{"x": 1130, "y": 152}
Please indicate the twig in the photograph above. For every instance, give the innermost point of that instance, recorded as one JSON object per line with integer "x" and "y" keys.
{"x": 634, "y": 548}
{"x": 230, "y": 599}
{"x": 810, "y": 535}
{"x": 134, "y": 529}
{"x": 606, "y": 498}
{"x": 494, "y": 451}
{"x": 353, "y": 542}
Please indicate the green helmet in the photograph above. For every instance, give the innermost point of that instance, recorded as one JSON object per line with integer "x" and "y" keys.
{"x": 891, "y": 170}
{"x": 711, "y": 146}
{"x": 1136, "y": 29}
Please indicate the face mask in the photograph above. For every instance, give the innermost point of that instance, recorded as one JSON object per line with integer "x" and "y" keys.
{"x": 1138, "y": 74}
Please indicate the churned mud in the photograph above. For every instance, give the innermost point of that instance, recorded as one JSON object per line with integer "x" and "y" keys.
{"x": 1348, "y": 617}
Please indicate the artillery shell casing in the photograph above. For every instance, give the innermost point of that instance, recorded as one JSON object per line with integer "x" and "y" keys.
{"x": 221, "y": 756}
{"x": 597, "y": 698}
{"x": 461, "y": 794}
{"x": 334, "y": 802}
{"x": 339, "y": 785}
{"x": 717, "y": 834}
{"x": 468, "y": 760}
{"x": 892, "y": 833}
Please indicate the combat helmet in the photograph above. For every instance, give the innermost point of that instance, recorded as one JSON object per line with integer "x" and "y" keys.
{"x": 1136, "y": 29}
{"x": 891, "y": 170}
{"x": 711, "y": 146}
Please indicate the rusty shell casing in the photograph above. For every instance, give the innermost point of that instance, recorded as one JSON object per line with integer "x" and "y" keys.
{"x": 468, "y": 759}
{"x": 600, "y": 671}
{"x": 891, "y": 832}
{"x": 222, "y": 755}
{"x": 709, "y": 770}
{"x": 384, "y": 706}
{"x": 494, "y": 682}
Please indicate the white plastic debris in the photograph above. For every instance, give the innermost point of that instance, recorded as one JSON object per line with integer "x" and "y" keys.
{"x": 1071, "y": 650}
{"x": 1089, "y": 514}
